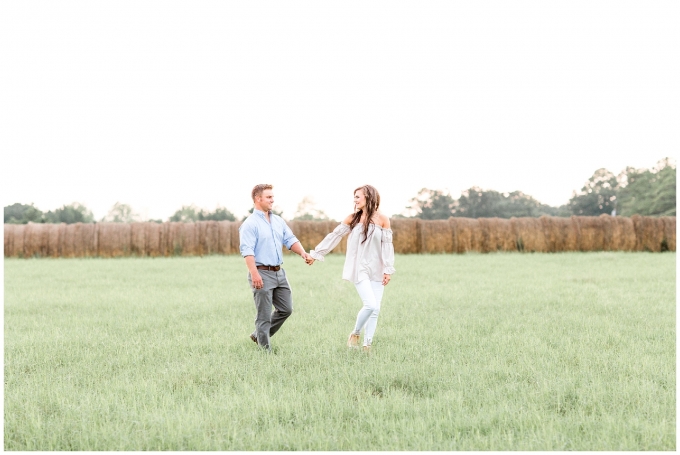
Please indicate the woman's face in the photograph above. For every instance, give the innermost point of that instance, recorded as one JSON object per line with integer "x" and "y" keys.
{"x": 359, "y": 200}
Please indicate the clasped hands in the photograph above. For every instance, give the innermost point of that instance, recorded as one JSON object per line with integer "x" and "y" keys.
{"x": 308, "y": 258}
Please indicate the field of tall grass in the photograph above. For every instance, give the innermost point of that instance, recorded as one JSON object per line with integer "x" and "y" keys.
{"x": 569, "y": 351}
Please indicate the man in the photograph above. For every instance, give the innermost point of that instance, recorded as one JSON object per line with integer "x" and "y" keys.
{"x": 262, "y": 236}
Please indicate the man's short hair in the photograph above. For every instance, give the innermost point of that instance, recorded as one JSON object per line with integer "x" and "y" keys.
{"x": 258, "y": 189}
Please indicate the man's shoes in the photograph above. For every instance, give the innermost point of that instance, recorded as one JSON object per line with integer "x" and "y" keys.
{"x": 253, "y": 337}
{"x": 353, "y": 340}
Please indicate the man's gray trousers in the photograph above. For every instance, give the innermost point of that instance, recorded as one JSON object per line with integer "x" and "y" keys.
{"x": 275, "y": 293}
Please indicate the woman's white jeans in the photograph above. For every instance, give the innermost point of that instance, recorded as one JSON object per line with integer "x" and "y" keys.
{"x": 371, "y": 293}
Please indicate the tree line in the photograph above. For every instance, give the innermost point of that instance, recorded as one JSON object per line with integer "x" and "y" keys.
{"x": 119, "y": 213}
{"x": 647, "y": 192}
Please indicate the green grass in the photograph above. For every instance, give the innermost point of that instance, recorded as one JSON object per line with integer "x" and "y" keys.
{"x": 570, "y": 351}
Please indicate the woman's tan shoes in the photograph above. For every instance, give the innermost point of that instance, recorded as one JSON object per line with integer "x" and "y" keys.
{"x": 353, "y": 341}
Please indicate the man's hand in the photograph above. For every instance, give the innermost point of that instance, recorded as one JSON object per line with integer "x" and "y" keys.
{"x": 386, "y": 279}
{"x": 257, "y": 280}
{"x": 308, "y": 258}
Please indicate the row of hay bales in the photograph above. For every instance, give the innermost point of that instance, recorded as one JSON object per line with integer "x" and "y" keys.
{"x": 139, "y": 239}
{"x": 544, "y": 234}
{"x": 455, "y": 235}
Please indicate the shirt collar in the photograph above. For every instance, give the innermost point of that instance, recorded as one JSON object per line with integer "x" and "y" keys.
{"x": 260, "y": 212}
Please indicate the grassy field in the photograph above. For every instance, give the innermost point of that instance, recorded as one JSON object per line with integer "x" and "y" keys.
{"x": 571, "y": 351}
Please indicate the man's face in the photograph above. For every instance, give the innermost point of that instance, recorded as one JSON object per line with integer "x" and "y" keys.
{"x": 266, "y": 200}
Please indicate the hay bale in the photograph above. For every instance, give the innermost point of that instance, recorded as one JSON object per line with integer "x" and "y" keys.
{"x": 454, "y": 234}
{"x": 529, "y": 234}
{"x": 182, "y": 239}
{"x": 190, "y": 239}
{"x": 113, "y": 240}
{"x": 496, "y": 235}
{"x": 405, "y": 235}
{"x": 62, "y": 236}
{"x": 573, "y": 243}
{"x": 224, "y": 237}
{"x": 505, "y": 238}
{"x": 208, "y": 237}
{"x": 35, "y": 240}
{"x": 311, "y": 233}
{"x": 606, "y": 224}
{"x": 164, "y": 239}
{"x": 138, "y": 239}
{"x": 436, "y": 236}
{"x": 85, "y": 240}
{"x": 201, "y": 231}
{"x": 54, "y": 239}
{"x": 67, "y": 241}
{"x": 10, "y": 232}
{"x": 622, "y": 234}
{"x": 560, "y": 234}
{"x": 669, "y": 232}
{"x": 152, "y": 236}
{"x": 19, "y": 240}
{"x": 173, "y": 238}
{"x": 592, "y": 233}
{"x": 649, "y": 233}
{"x": 467, "y": 234}
{"x": 637, "y": 224}
{"x": 235, "y": 240}
{"x": 487, "y": 238}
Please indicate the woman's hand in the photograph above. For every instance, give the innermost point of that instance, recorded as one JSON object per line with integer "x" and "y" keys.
{"x": 386, "y": 279}
{"x": 308, "y": 258}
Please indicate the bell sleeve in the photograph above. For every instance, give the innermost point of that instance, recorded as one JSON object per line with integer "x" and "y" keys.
{"x": 387, "y": 252}
{"x": 329, "y": 242}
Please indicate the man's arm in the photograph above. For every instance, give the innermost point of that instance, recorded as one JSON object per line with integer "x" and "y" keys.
{"x": 297, "y": 248}
{"x": 247, "y": 241}
{"x": 254, "y": 274}
{"x": 293, "y": 244}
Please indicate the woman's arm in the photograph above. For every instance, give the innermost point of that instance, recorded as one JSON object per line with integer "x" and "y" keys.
{"x": 384, "y": 221}
{"x": 330, "y": 241}
{"x": 387, "y": 250}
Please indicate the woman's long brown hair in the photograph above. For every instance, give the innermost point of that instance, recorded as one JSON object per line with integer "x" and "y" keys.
{"x": 372, "y": 204}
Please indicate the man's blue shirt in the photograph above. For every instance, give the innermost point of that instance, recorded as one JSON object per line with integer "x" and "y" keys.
{"x": 265, "y": 240}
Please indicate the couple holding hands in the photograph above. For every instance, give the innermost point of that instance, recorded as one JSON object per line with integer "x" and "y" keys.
{"x": 369, "y": 262}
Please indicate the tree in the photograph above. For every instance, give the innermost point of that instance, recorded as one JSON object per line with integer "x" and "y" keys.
{"x": 191, "y": 213}
{"x": 478, "y": 203}
{"x": 70, "y": 214}
{"x": 307, "y": 210}
{"x": 220, "y": 214}
{"x": 187, "y": 214}
{"x": 432, "y": 205}
{"x": 649, "y": 192}
{"x": 275, "y": 211}
{"x": 121, "y": 213}
{"x": 22, "y": 214}
{"x": 598, "y": 195}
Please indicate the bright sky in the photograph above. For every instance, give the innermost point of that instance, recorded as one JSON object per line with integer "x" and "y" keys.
{"x": 160, "y": 104}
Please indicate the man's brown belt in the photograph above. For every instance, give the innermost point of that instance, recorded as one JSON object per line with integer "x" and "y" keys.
{"x": 269, "y": 267}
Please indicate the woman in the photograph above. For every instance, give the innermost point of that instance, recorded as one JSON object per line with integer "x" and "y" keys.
{"x": 370, "y": 258}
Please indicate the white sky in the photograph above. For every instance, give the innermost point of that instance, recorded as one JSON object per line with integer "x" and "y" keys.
{"x": 160, "y": 104}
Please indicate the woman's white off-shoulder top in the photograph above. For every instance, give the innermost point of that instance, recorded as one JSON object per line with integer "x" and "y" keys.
{"x": 370, "y": 259}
